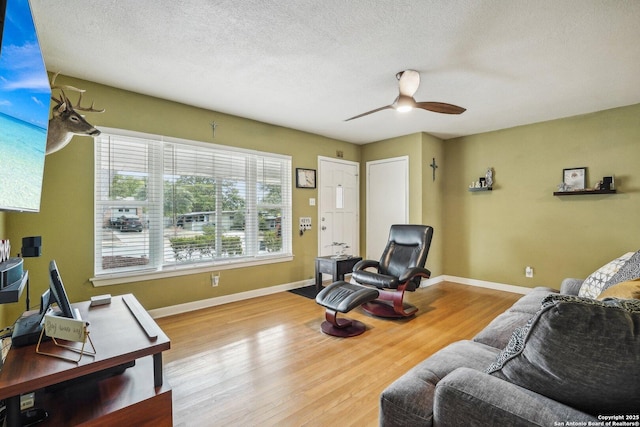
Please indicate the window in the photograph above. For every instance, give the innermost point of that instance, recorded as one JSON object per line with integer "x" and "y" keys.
{"x": 172, "y": 204}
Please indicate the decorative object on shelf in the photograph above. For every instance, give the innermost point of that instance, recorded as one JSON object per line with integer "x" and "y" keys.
{"x": 574, "y": 183}
{"x": 305, "y": 178}
{"x": 489, "y": 177}
{"x": 607, "y": 183}
{"x": 484, "y": 183}
{"x": 574, "y": 179}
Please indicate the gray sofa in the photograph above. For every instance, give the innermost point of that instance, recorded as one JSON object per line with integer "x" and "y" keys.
{"x": 551, "y": 359}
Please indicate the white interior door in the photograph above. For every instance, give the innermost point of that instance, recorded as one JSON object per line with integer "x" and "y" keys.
{"x": 338, "y": 207}
{"x": 387, "y": 201}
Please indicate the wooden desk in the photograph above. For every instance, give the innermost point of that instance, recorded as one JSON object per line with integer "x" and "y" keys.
{"x": 132, "y": 398}
{"x": 337, "y": 267}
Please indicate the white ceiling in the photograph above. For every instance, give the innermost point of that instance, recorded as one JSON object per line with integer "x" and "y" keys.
{"x": 311, "y": 64}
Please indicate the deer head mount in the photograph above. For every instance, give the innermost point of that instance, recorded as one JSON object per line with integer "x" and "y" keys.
{"x": 66, "y": 121}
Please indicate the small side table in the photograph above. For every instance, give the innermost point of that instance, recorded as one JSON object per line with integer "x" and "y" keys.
{"x": 337, "y": 267}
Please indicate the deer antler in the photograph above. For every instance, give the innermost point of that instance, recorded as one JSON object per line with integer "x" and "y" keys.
{"x": 64, "y": 99}
{"x": 90, "y": 109}
{"x": 53, "y": 85}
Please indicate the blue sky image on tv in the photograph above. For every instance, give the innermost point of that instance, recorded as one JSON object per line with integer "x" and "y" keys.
{"x": 24, "y": 110}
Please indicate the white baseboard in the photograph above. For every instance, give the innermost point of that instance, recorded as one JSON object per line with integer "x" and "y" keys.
{"x": 225, "y": 299}
{"x": 474, "y": 282}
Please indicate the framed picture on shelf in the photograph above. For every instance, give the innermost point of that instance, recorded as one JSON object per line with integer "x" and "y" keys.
{"x": 574, "y": 178}
{"x": 305, "y": 178}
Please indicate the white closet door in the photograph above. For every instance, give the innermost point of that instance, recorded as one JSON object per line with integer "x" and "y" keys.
{"x": 387, "y": 201}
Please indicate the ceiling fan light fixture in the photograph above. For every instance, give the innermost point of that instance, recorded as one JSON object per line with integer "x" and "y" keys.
{"x": 408, "y": 82}
{"x": 405, "y": 103}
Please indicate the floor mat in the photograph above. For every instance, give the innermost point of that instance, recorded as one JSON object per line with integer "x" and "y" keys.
{"x": 306, "y": 291}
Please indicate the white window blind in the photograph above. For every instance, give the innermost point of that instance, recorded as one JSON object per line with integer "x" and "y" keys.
{"x": 175, "y": 204}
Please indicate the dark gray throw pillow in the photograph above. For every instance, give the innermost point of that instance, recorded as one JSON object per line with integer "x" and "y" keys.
{"x": 580, "y": 352}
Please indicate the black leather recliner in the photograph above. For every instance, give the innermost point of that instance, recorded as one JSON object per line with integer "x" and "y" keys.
{"x": 380, "y": 293}
{"x": 400, "y": 269}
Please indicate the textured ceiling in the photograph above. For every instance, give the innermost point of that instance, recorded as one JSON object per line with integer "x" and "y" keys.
{"x": 309, "y": 65}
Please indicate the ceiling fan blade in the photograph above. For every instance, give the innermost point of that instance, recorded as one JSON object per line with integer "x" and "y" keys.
{"x": 440, "y": 107}
{"x": 370, "y": 112}
{"x": 408, "y": 81}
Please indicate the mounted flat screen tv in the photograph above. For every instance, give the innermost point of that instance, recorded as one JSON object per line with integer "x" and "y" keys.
{"x": 24, "y": 109}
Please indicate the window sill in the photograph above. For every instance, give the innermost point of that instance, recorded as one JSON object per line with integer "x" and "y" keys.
{"x": 131, "y": 277}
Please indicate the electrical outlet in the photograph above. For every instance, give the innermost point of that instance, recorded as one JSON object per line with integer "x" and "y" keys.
{"x": 215, "y": 279}
{"x": 528, "y": 272}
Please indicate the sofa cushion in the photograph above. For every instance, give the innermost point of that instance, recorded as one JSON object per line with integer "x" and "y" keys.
{"x": 499, "y": 331}
{"x": 625, "y": 290}
{"x": 408, "y": 401}
{"x": 595, "y": 283}
{"x": 467, "y": 397}
{"x": 570, "y": 286}
{"x": 579, "y": 351}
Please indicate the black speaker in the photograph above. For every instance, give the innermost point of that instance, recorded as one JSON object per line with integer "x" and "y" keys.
{"x": 31, "y": 246}
{"x": 607, "y": 183}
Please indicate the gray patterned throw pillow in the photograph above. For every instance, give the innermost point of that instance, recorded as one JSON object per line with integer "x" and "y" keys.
{"x": 594, "y": 284}
{"x": 629, "y": 271}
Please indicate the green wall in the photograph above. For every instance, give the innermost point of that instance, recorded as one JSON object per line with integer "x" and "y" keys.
{"x": 488, "y": 236}
{"x": 492, "y": 236}
{"x": 65, "y": 221}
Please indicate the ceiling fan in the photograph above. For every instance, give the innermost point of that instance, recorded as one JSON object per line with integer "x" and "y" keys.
{"x": 408, "y": 82}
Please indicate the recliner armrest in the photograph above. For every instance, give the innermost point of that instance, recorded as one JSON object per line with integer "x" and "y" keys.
{"x": 410, "y": 273}
{"x": 470, "y": 397}
{"x": 366, "y": 263}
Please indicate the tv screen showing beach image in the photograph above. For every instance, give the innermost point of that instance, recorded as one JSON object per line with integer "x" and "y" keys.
{"x": 24, "y": 111}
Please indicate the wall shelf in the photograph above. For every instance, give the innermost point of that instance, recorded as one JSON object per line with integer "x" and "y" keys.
{"x": 474, "y": 189}
{"x": 582, "y": 192}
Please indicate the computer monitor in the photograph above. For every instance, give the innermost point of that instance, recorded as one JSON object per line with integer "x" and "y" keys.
{"x": 58, "y": 293}
{"x": 27, "y": 329}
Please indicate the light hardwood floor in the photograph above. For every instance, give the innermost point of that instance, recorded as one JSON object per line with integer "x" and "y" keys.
{"x": 264, "y": 361}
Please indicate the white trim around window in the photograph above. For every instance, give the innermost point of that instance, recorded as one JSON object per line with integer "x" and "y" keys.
{"x": 167, "y": 206}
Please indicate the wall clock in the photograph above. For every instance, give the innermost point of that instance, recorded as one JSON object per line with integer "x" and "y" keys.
{"x": 305, "y": 178}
